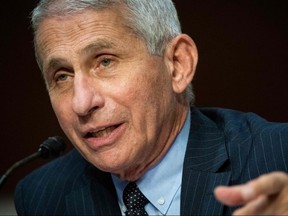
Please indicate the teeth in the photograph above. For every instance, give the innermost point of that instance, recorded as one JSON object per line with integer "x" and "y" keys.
{"x": 103, "y": 132}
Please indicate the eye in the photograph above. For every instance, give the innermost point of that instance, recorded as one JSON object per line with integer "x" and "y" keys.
{"x": 62, "y": 77}
{"x": 105, "y": 62}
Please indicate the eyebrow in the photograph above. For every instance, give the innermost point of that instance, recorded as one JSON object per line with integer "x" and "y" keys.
{"x": 55, "y": 63}
{"x": 97, "y": 46}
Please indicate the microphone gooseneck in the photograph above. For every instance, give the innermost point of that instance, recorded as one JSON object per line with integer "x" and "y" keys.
{"x": 50, "y": 148}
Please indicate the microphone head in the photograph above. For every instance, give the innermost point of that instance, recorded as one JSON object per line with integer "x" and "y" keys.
{"x": 52, "y": 147}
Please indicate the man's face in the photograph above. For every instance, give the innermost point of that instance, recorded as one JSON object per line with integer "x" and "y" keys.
{"x": 113, "y": 99}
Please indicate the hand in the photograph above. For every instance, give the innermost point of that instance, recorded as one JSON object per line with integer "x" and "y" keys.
{"x": 268, "y": 194}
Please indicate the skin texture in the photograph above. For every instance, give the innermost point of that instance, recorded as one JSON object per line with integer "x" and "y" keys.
{"x": 100, "y": 77}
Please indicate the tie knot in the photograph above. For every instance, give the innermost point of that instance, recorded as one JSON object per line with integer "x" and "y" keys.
{"x": 134, "y": 200}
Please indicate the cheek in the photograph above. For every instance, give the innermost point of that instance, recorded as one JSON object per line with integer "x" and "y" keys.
{"x": 138, "y": 98}
{"x": 147, "y": 101}
{"x": 143, "y": 86}
{"x": 62, "y": 111}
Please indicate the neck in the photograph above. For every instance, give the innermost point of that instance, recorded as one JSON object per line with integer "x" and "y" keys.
{"x": 138, "y": 171}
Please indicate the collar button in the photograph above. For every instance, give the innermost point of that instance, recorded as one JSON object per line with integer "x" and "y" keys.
{"x": 161, "y": 201}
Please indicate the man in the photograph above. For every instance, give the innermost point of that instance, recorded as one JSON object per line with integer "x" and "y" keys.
{"x": 118, "y": 75}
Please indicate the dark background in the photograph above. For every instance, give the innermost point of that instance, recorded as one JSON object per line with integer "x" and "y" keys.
{"x": 242, "y": 65}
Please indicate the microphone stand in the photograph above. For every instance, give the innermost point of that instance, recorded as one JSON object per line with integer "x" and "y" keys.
{"x": 50, "y": 148}
{"x": 18, "y": 164}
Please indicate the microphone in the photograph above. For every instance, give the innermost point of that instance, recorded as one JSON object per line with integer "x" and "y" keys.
{"x": 50, "y": 148}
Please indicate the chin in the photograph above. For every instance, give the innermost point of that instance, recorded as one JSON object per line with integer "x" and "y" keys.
{"x": 108, "y": 165}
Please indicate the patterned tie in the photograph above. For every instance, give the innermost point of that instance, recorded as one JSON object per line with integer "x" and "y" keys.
{"x": 134, "y": 200}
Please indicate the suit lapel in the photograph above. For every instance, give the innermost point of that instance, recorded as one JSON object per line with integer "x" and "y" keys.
{"x": 96, "y": 195}
{"x": 206, "y": 165}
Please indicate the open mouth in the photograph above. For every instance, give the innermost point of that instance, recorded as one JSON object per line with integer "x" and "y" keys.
{"x": 104, "y": 132}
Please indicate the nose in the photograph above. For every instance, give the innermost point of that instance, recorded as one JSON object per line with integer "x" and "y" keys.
{"x": 86, "y": 96}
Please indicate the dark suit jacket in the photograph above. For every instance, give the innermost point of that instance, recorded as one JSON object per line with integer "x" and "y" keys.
{"x": 225, "y": 148}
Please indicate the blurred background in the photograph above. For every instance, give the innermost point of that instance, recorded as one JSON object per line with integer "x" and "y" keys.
{"x": 242, "y": 65}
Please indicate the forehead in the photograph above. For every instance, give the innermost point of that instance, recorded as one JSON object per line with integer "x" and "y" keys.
{"x": 80, "y": 29}
{"x": 118, "y": 13}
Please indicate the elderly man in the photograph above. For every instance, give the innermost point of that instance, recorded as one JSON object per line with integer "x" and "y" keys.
{"x": 118, "y": 73}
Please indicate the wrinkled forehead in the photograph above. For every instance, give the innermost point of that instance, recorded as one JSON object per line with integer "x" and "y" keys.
{"x": 77, "y": 23}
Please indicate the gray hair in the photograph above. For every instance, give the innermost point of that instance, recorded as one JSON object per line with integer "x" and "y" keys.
{"x": 154, "y": 21}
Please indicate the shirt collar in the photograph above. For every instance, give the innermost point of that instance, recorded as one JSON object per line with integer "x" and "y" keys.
{"x": 161, "y": 183}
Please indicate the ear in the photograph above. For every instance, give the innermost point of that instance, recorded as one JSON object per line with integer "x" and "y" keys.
{"x": 182, "y": 57}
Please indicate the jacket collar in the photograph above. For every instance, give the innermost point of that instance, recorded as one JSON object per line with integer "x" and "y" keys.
{"x": 206, "y": 165}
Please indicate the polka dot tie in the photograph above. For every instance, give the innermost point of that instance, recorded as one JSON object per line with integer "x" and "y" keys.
{"x": 134, "y": 200}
